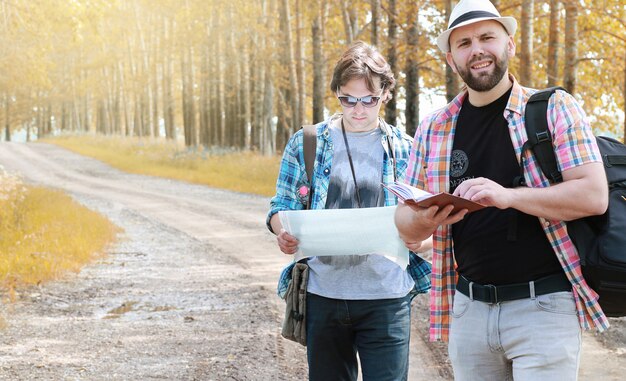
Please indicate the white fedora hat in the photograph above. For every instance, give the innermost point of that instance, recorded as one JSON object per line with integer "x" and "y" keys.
{"x": 470, "y": 11}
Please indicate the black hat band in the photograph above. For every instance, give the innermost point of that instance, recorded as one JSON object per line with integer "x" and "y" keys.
{"x": 471, "y": 15}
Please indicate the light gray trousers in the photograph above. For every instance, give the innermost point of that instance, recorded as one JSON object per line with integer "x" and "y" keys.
{"x": 523, "y": 340}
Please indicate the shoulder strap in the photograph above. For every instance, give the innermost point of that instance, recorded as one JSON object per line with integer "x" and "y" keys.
{"x": 539, "y": 138}
{"x": 309, "y": 146}
{"x": 390, "y": 146}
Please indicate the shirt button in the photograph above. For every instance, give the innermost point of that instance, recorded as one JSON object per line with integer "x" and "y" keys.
{"x": 326, "y": 171}
{"x": 546, "y": 224}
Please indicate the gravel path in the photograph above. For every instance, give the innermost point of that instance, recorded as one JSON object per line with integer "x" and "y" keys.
{"x": 188, "y": 292}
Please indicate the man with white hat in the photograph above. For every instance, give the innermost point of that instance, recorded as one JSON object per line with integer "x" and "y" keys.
{"x": 521, "y": 299}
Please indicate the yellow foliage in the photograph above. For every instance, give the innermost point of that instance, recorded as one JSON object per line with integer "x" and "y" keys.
{"x": 238, "y": 171}
{"x": 44, "y": 234}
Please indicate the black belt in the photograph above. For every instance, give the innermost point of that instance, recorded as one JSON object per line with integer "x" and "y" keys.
{"x": 495, "y": 294}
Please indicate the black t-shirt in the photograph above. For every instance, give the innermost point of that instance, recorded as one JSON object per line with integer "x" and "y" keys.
{"x": 494, "y": 246}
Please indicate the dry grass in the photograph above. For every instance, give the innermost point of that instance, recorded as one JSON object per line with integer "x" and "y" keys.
{"x": 238, "y": 171}
{"x": 44, "y": 234}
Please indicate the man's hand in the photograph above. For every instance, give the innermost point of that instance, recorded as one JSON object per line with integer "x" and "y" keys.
{"x": 287, "y": 243}
{"x": 484, "y": 191}
{"x": 415, "y": 223}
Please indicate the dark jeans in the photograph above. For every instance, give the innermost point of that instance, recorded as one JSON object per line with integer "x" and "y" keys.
{"x": 378, "y": 330}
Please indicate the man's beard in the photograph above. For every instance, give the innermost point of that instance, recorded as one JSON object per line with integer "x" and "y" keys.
{"x": 485, "y": 81}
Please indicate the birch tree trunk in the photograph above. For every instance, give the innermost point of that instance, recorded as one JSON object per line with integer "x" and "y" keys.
{"x": 7, "y": 118}
{"x": 412, "y": 71}
{"x": 571, "y": 42}
{"x": 319, "y": 80}
{"x": 268, "y": 129}
{"x": 154, "y": 81}
{"x": 291, "y": 65}
{"x": 390, "y": 106}
{"x": 205, "y": 90}
{"x": 375, "y": 21}
{"x": 347, "y": 23}
{"x": 167, "y": 73}
{"x": 300, "y": 64}
{"x": 553, "y": 44}
{"x": 452, "y": 80}
{"x": 526, "y": 62}
{"x": 247, "y": 101}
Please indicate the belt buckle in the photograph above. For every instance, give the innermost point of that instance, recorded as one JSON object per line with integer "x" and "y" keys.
{"x": 493, "y": 293}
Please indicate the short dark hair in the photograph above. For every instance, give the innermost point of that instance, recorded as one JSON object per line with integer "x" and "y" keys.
{"x": 363, "y": 61}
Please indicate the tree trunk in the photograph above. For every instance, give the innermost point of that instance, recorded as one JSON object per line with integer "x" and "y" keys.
{"x": 347, "y": 23}
{"x": 390, "y": 106}
{"x": 289, "y": 60}
{"x": 269, "y": 126}
{"x": 7, "y": 123}
{"x": 300, "y": 64}
{"x": 526, "y": 62}
{"x": 247, "y": 101}
{"x": 553, "y": 44}
{"x": 154, "y": 80}
{"x": 189, "y": 113}
{"x": 452, "y": 79}
{"x": 221, "y": 103}
{"x": 205, "y": 90}
{"x": 571, "y": 42}
{"x": 375, "y": 21}
{"x": 167, "y": 73}
{"x": 319, "y": 81}
{"x": 412, "y": 71}
{"x": 267, "y": 134}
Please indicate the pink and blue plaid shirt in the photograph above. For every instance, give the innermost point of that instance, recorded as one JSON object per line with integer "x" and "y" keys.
{"x": 429, "y": 166}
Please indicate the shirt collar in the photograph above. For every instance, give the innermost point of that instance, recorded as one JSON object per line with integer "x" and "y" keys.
{"x": 514, "y": 105}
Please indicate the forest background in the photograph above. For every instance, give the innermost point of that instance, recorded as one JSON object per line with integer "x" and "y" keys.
{"x": 245, "y": 74}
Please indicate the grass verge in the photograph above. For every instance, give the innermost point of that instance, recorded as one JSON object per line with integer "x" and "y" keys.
{"x": 246, "y": 172}
{"x": 44, "y": 234}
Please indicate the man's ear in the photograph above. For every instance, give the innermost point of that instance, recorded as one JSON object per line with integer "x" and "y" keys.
{"x": 386, "y": 96}
{"x": 451, "y": 62}
{"x": 511, "y": 47}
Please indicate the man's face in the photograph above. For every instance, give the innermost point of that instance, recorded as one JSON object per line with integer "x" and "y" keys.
{"x": 480, "y": 54}
{"x": 360, "y": 118}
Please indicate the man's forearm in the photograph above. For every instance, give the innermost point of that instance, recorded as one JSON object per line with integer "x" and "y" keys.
{"x": 582, "y": 193}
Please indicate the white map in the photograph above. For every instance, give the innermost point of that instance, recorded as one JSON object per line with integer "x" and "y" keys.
{"x": 346, "y": 232}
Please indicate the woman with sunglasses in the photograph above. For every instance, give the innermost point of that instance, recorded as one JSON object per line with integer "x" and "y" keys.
{"x": 355, "y": 304}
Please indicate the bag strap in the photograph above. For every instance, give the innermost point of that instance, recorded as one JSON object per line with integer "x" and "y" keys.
{"x": 540, "y": 144}
{"x": 539, "y": 138}
{"x": 309, "y": 146}
{"x": 390, "y": 146}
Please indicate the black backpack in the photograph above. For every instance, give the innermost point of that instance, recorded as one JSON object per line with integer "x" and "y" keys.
{"x": 600, "y": 240}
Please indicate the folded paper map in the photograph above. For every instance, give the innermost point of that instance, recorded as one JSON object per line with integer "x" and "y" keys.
{"x": 346, "y": 232}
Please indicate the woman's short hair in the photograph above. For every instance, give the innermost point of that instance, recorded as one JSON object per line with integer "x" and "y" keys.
{"x": 363, "y": 61}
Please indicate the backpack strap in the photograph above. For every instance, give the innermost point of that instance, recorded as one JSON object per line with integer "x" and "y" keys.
{"x": 390, "y": 146}
{"x": 540, "y": 144}
{"x": 309, "y": 146}
{"x": 539, "y": 138}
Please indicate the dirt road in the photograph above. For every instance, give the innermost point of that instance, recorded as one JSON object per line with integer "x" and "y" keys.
{"x": 188, "y": 293}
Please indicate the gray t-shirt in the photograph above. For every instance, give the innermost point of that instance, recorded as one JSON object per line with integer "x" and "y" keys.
{"x": 356, "y": 277}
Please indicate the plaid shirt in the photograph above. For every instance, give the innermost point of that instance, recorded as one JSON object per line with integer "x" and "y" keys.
{"x": 429, "y": 166}
{"x": 292, "y": 177}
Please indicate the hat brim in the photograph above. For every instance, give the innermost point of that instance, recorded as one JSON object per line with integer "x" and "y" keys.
{"x": 509, "y": 23}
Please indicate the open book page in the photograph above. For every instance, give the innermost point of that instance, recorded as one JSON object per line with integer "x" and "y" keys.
{"x": 411, "y": 195}
{"x": 346, "y": 232}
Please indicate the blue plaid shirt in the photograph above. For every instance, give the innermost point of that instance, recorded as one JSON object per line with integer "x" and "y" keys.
{"x": 292, "y": 177}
